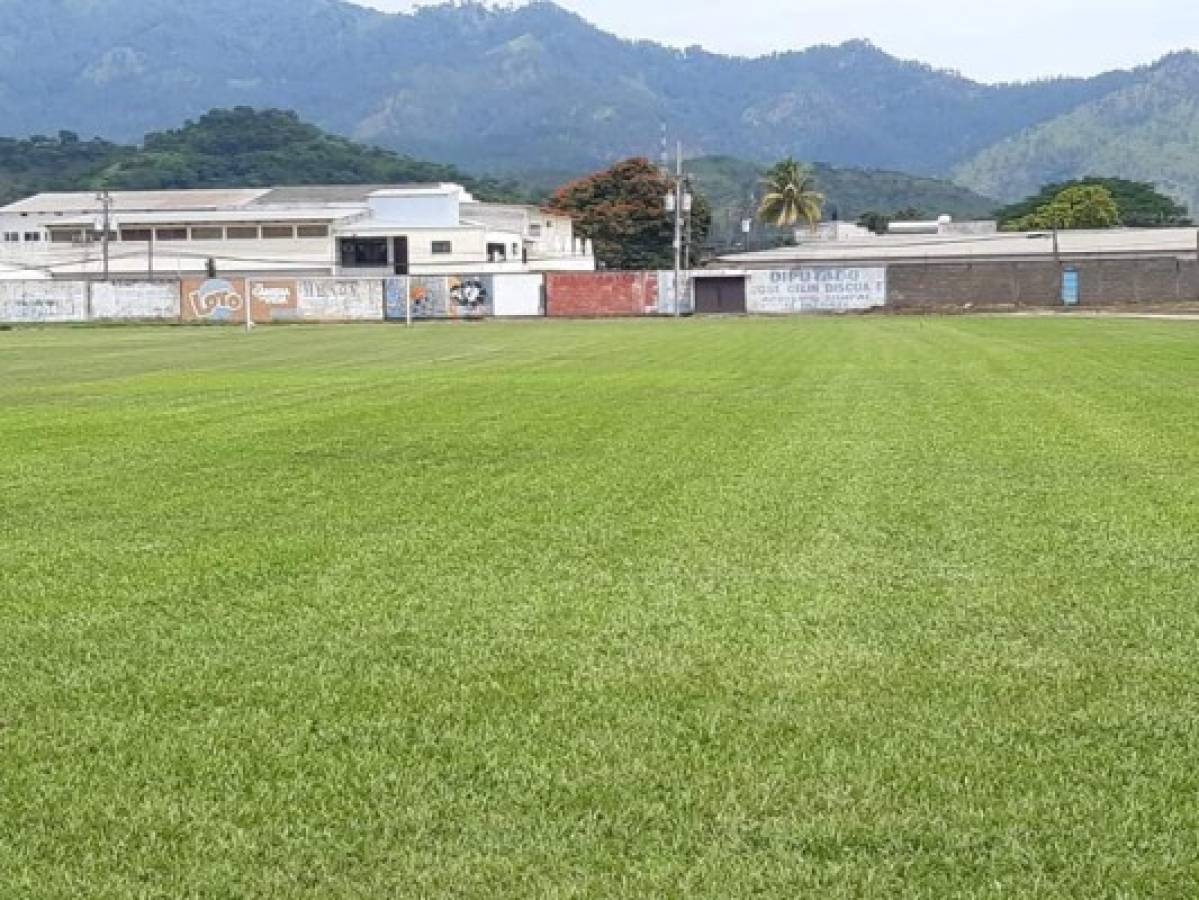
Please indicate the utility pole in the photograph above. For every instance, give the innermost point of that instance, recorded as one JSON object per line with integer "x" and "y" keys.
{"x": 105, "y": 199}
{"x": 678, "y": 232}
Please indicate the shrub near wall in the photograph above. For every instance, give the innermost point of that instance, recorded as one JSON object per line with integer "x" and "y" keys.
{"x": 601, "y": 294}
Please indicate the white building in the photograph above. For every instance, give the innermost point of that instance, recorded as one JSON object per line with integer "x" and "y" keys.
{"x": 424, "y": 229}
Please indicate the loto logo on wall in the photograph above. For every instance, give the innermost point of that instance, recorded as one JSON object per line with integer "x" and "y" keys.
{"x": 215, "y": 299}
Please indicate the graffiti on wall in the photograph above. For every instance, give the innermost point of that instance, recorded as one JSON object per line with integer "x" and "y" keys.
{"x": 43, "y": 301}
{"x": 470, "y": 296}
{"x": 395, "y": 298}
{"x": 340, "y": 299}
{"x": 429, "y": 296}
{"x": 118, "y": 300}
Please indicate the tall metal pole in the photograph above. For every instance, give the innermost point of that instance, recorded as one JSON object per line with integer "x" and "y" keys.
{"x": 678, "y": 232}
{"x": 105, "y": 199}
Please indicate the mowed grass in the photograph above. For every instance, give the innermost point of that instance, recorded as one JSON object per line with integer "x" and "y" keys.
{"x": 829, "y": 607}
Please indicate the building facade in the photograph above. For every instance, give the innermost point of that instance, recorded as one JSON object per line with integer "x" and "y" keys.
{"x": 425, "y": 229}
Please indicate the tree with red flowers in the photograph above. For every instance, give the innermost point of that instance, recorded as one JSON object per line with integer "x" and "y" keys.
{"x": 622, "y": 210}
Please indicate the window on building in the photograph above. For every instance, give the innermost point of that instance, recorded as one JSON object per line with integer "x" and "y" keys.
{"x": 136, "y": 235}
{"x": 278, "y": 232}
{"x": 65, "y": 236}
{"x": 207, "y": 233}
{"x": 242, "y": 232}
{"x": 12, "y": 237}
{"x": 535, "y": 229}
{"x": 364, "y": 253}
{"x": 171, "y": 234}
{"x": 443, "y": 248}
{"x": 33, "y": 237}
{"x": 312, "y": 231}
{"x": 497, "y": 252}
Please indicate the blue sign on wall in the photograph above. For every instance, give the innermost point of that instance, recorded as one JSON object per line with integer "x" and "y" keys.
{"x": 1070, "y": 287}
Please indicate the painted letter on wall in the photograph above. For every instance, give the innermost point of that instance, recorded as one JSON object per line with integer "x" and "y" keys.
{"x": 816, "y": 289}
{"x": 43, "y": 301}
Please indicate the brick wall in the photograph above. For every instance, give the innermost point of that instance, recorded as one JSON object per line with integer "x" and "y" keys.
{"x": 596, "y": 294}
{"x": 1161, "y": 280}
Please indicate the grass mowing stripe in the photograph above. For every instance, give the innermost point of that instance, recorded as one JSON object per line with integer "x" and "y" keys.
{"x": 843, "y": 607}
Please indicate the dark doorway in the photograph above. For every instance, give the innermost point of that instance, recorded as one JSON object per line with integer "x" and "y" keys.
{"x": 720, "y": 295}
{"x": 363, "y": 253}
{"x": 400, "y": 255}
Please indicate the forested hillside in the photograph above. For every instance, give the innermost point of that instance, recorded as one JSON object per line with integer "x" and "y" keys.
{"x": 528, "y": 87}
{"x": 224, "y": 148}
{"x": 1147, "y": 131}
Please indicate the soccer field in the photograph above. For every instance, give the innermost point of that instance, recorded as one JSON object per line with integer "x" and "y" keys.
{"x": 865, "y": 607}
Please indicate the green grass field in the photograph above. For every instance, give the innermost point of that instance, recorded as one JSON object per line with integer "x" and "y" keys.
{"x": 863, "y": 607}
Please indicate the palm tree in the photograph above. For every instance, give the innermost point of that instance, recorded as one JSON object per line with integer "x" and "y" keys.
{"x": 791, "y": 196}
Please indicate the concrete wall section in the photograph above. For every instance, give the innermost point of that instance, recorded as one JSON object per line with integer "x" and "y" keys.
{"x": 122, "y": 301}
{"x": 602, "y": 294}
{"x": 340, "y": 300}
{"x": 43, "y": 301}
{"x": 666, "y": 295}
{"x": 395, "y": 298}
{"x": 1161, "y": 280}
{"x": 518, "y": 295}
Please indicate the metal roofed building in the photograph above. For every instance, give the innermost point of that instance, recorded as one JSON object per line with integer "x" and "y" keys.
{"x": 930, "y": 249}
{"x": 364, "y": 230}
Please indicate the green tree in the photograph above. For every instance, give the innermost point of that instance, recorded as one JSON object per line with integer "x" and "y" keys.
{"x": 622, "y": 210}
{"x": 1078, "y": 207}
{"x": 1141, "y": 204}
{"x": 790, "y": 196}
{"x": 874, "y": 221}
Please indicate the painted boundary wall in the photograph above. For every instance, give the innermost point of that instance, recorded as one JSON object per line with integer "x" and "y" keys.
{"x": 601, "y": 294}
{"x": 315, "y": 299}
{"x": 907, "y": 287}
{"x": 463, "y": 297}
{"x": 135, "y": 301}
{"x": 1153, "y": 280}
{"x": 813, "y": 289}
{"x": 43, "y": 301}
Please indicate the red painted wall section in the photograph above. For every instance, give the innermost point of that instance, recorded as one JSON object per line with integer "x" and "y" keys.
{"x": 598, "y": 294}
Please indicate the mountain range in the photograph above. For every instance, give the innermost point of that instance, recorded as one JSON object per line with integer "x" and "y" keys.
{"x": 536, "y": 87}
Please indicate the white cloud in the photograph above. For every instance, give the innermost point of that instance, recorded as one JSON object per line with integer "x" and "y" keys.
{"x": 987, "y": 39}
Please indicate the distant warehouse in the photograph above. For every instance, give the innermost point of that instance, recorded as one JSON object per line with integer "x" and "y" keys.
{"x": 955, "y": 269}
{"x": 338, "y": 230}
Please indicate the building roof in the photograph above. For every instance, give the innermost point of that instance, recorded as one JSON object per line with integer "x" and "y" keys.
{"x": 323, "y": 193}
{"x": 86, "y": 201}
{"x": 249, "y": 214}
{"x": 76, "y": 202}
{"x": 1117, "y": 242}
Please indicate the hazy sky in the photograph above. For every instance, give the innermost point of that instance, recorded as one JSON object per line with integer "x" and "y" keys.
{"x": 990, "y": 40}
